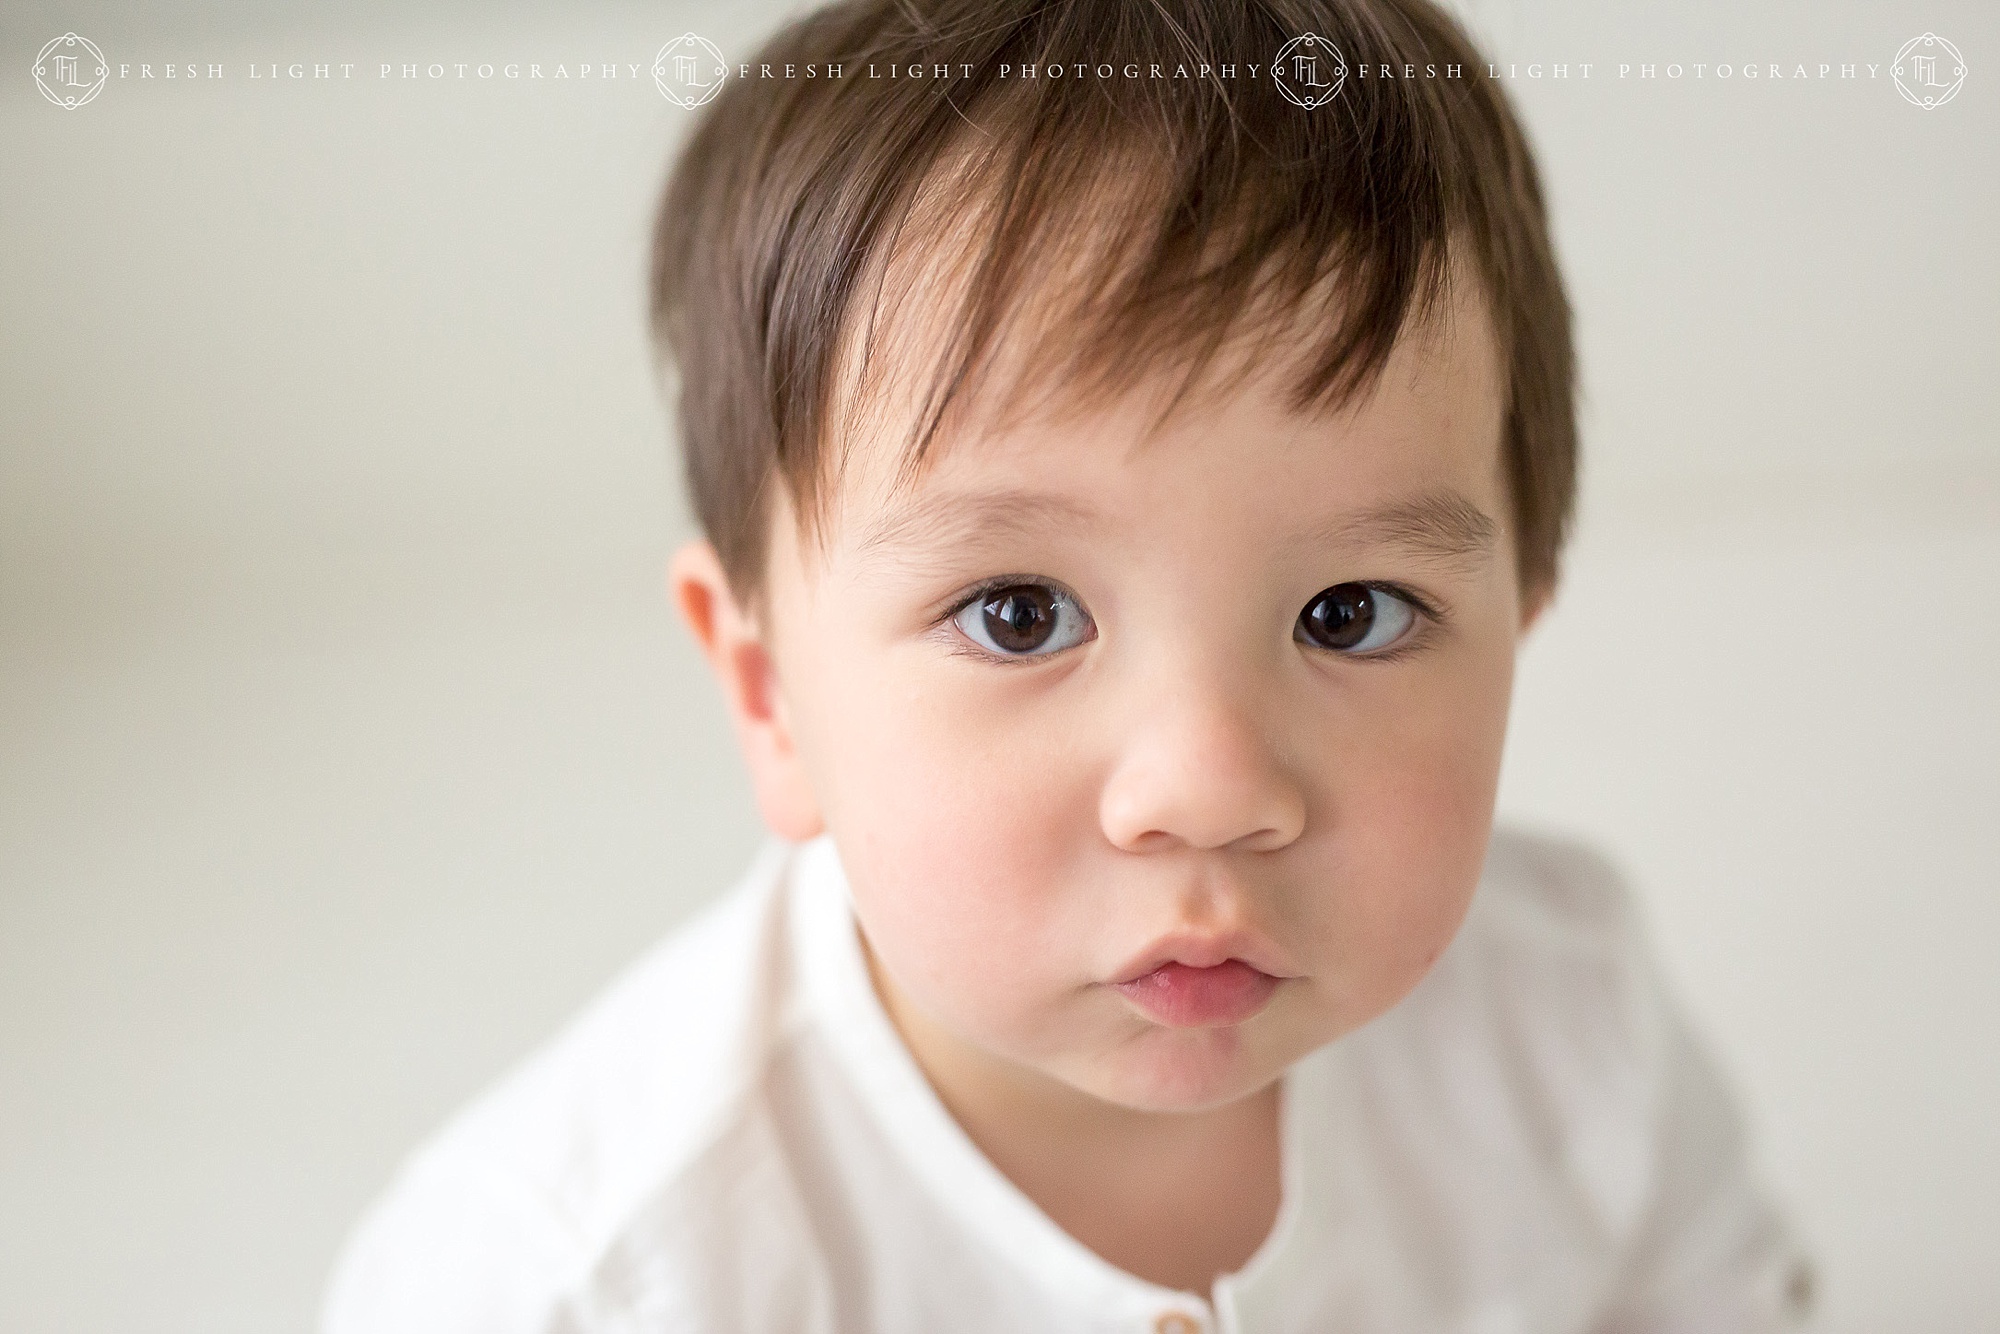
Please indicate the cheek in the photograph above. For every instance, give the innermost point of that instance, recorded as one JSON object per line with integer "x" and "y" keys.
{"x": 1411, "y": 813}
{"x": 957, "y": 830}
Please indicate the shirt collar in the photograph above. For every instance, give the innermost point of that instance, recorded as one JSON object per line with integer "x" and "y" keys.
{"x": 987, "y": 1205}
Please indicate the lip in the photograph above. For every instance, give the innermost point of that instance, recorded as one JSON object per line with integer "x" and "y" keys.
{"x": 1204, "y": 951}
{"x": 1186, "y": 980}
{"x": 1181, "y": 996}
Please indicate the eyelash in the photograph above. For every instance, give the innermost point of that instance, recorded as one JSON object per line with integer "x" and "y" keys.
{"x": 958, "y": 644}
{"x": 1416, "y": 641}
{"x": 1430, "y": 618}
{"x": 1430, "y": 615}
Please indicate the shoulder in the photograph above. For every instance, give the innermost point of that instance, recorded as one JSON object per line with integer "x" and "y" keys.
{"x": 505, "y": 1218}
{"x": 1557, "y": 892}
{"x": 1545, "y": 1018}
{"x": 1572, "y": 1144}
{"x": 1556, "y": 939}
{"x": 1635, "y": 1110}
{"x": 1553, "y": 946}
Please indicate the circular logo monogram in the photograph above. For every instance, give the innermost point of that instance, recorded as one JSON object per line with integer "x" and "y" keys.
{"x": 1929, "y": 71}
{"x": 1309, "y": 70}
{"x": 689, "y": 70}
{"x": 70, "y": 71}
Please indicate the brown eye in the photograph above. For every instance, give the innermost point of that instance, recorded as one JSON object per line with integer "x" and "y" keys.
{"x": 1021, "y": 620}
{"x": 1356, "y": 618}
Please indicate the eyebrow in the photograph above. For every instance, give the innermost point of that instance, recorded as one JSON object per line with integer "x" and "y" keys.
{"x": 1441, "y": 525}
{"x": 954, "y": 519}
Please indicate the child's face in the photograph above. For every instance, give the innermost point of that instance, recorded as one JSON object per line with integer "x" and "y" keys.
{"x": 1176, "y": 713}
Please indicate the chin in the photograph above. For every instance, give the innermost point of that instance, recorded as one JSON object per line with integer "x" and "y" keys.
{"x": 1184, "y": 1070}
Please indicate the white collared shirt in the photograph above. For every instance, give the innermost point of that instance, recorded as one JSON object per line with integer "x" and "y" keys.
{"x": 734, "y": 1138}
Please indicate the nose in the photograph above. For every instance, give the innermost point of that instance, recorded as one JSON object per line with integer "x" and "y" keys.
{"x": 1197, "y": 771}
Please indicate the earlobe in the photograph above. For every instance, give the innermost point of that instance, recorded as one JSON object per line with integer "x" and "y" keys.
{"x": 730, "y": 639}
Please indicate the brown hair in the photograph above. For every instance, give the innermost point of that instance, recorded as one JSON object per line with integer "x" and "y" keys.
{"x": 1206, "y": 191}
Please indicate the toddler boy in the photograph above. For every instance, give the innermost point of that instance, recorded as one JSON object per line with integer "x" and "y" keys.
{"x": 1130, "y": 440}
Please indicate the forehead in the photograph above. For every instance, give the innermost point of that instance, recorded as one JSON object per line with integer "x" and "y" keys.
{"x": 983, "y": 326}
{"x": 1428, "y": 427}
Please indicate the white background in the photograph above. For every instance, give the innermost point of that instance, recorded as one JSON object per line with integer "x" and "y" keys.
{"x": 347, "y": 744}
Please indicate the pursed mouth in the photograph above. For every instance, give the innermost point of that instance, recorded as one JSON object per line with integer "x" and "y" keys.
{"x": 1180, "y": 995}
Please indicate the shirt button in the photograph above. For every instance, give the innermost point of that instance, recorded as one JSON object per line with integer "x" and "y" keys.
{"x": 1175, "y": 1322}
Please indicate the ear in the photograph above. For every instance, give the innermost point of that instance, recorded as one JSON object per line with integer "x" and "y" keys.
{"x": 741, "y": 659}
